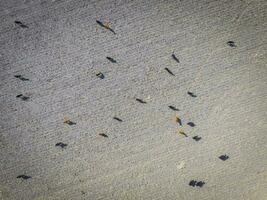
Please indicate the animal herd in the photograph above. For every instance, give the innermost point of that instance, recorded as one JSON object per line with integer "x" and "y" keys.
{"x": 178, "y": 120}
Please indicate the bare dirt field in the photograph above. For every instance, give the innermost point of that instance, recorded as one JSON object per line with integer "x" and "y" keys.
{"x": 58, "y": 136}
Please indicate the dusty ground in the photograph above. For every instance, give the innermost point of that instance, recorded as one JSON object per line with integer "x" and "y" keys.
{"x": 143, "y": 157}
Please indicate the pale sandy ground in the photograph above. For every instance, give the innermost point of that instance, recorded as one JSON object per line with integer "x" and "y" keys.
{"x": 143, "y": 157}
